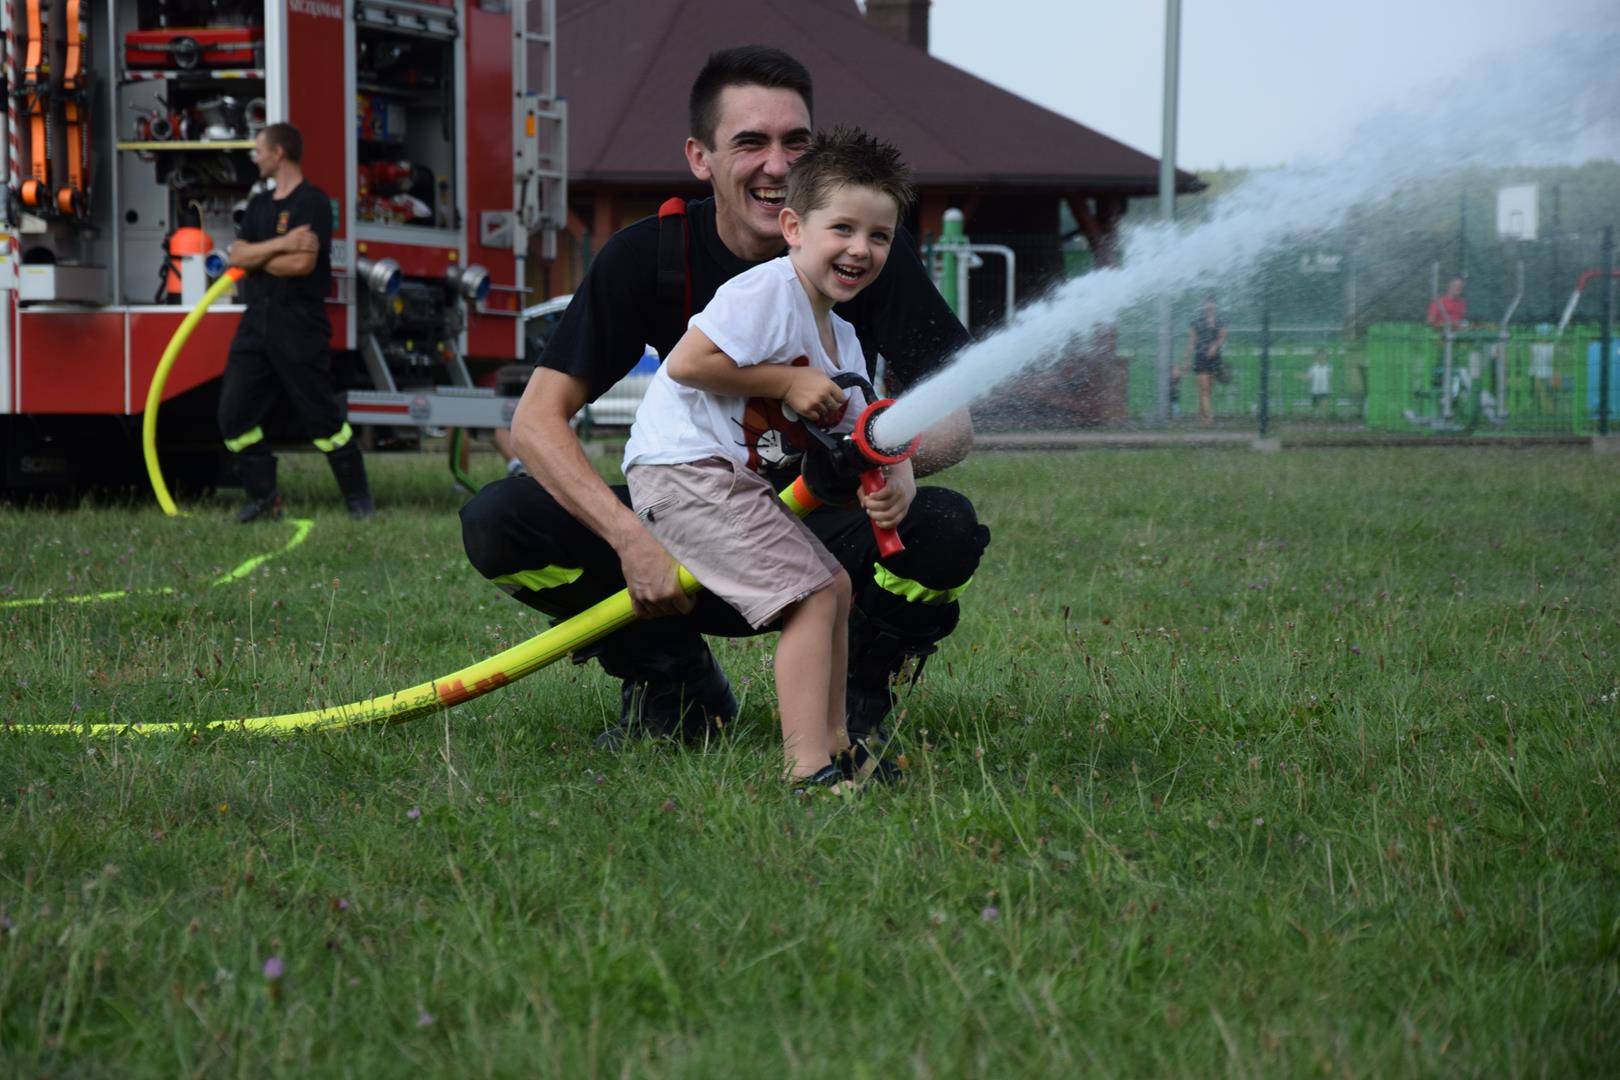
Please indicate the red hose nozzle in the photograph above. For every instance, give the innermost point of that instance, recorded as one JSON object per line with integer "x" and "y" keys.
{"x": 862, "y": 436}
{"x": 872, "y": 479}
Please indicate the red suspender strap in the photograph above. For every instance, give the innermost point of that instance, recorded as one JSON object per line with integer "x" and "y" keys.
{"x": 674, "y": 278}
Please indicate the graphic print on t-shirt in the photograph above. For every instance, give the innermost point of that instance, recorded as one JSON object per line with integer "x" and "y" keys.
{"x": 771, "y": 439}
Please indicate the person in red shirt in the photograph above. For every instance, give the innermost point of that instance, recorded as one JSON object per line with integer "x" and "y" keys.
{"x": 1451, "y": 310}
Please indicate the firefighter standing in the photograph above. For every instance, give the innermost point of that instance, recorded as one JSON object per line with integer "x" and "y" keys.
{"x": 281, "y": 350}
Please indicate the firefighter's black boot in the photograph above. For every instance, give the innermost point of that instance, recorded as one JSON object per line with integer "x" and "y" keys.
{"x": 897, "y": 623}
{"x": 349, "y": 469}
{"x": 257, "y": 468}
{"x": 686, "y": 699}
{"x": 884, "y": 655}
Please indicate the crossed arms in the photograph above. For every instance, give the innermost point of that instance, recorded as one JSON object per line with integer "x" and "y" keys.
{"x": 293, "y": 254}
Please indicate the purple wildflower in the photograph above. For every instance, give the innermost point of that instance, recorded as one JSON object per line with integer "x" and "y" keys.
{"x": 274, "y": 968}
{"x": 414, "y": 812}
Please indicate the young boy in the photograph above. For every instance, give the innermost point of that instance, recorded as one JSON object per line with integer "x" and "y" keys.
{"x": 718, "y": 412}
{"x": 1320, "y": 374}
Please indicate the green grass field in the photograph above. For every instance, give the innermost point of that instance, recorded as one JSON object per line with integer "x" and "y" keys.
{"x": 1240, "y": 764}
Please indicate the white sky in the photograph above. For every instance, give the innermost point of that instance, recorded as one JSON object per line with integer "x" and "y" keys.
{"x": 1262, "y": 81}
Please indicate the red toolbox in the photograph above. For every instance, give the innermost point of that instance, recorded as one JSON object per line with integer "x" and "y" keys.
{"x": 188, "y": 47}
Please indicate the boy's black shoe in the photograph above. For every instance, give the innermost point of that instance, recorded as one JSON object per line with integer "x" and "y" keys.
{"x": 683, "y": 711}
{"x": 361, "y": 507}
{"x": 267, "y": 508}
{"x": 829, "y": 780}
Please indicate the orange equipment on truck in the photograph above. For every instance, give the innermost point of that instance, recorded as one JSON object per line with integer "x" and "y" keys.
{"x": 34, "y": 98}
{"x": 188, "y": 239}
{"x": 73, "y": 198}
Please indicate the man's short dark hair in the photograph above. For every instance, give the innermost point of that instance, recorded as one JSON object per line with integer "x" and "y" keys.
{"x": 286, "y": 138}
{"x": 847, "y": 156}
{"x": 745, "y": 65}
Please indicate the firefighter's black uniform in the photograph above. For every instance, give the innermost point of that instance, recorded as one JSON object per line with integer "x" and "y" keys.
{"x": 518, "y": 536}
{"x": 281, "y": 355}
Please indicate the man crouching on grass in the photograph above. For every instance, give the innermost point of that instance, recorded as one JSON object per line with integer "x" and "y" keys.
{"x": 769, "y": 339}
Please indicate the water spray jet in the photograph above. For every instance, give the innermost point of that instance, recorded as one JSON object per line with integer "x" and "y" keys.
{"x": 1514, "y": 109}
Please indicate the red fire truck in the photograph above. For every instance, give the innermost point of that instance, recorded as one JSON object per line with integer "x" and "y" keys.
{"x": 433, "y": 125}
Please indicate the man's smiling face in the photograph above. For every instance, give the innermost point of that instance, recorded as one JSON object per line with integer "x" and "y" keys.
{"x": 760, "y": 130}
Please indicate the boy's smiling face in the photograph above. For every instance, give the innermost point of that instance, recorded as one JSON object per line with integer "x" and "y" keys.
{"x": 840, "y": 247}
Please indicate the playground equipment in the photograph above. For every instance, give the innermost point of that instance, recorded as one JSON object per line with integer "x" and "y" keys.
{"x": 1605, "y": 358}
{"x": 954, "y": 255}
{"x": 1464, "y": 385}
{"x": 1575, "y": 297}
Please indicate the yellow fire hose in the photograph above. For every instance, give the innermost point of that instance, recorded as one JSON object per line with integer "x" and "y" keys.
{"x": 301, "y": 527}
{"x": 473, "y": 681}
{"x": 154, "y": 393}
{"x": 429, "y": 697}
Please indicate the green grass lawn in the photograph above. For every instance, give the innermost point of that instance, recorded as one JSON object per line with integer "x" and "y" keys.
{"x": 1285, "y": 764}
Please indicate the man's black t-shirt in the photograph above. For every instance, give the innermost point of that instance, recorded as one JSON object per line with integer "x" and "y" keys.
{"x": 614, "y": 314}
{"x": 268, "y": 217}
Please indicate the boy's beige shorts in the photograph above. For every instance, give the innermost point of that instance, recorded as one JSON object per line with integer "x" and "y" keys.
{"x": 724, "y": 523}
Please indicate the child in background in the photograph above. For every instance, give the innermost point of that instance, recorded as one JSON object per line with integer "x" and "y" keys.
{"x": 713, "y": 419}
{"x": 1320, "y": 374}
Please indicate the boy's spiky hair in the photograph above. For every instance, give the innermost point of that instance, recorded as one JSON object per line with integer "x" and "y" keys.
{"x": 847, "y": 156}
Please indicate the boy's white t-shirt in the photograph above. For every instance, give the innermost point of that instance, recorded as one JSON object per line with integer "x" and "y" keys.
{"x": 761, "y": 316}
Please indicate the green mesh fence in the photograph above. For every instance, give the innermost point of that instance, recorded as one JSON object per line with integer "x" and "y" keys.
{"x": 1392, "y": 379}
{"x": 1293, "y": 351}
{"x": 1527, "y": 383}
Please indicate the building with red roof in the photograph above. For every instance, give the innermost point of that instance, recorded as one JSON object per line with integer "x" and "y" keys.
{"x": 625, "y": 68}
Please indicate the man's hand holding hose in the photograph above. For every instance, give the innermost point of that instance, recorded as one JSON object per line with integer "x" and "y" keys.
{"x": 649, "y": 575}
{"x": 551, "y": 451}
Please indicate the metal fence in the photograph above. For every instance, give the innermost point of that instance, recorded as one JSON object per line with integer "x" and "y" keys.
{"x": 1393, "y": 380}
{"x": 1316, "y": 372}
{"x": 1526, "y": 382}
{"x": 1289, "y": 385}
{"x": 1321, "y": 365}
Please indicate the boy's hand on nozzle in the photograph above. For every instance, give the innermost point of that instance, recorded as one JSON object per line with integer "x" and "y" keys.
{"x": 887, "y": 506}
{"x": 813, "y": 395}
